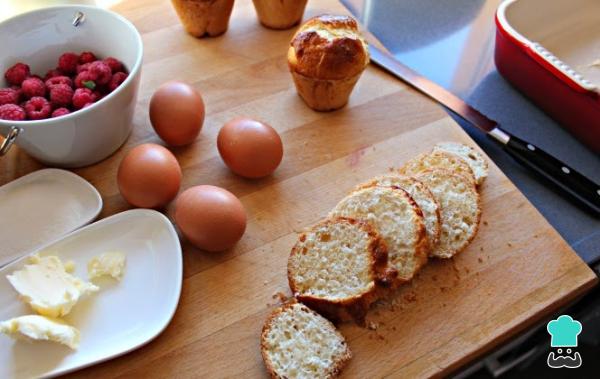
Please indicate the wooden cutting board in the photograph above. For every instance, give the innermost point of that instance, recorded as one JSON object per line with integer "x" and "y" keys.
{"x": 516, "y": 272}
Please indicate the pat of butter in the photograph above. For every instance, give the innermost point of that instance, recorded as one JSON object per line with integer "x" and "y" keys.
{"x": 41, "y": 328}
{"x": 109, "y": 264}
{"x": 47, "y": 287}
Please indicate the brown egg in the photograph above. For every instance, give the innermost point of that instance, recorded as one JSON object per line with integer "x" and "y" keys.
{"x": 149, "y": 176}
{"x": 250, "y": 148}
{"x": 177, "y": 113}
{"x": 211, "y": 218}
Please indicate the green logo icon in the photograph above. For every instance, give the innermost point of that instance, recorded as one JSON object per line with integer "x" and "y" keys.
{"x": 564, "y": 331}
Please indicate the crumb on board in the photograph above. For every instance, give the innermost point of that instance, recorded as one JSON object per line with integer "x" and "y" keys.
{"x": 481, "y": 248}
{"x": 467, "y": 270}
{"x": 434, "y": 278}
{"x": 280, "y": 296}
{"x": 485, "y": 223}
{"x": 410, "y": 297}
{"x": 372, "y": 325}
{"x": 509, "y": 244}
{"x": 391, "y": 169}
{"x": 480, "y": 260}
{"x": 265, "y": 282}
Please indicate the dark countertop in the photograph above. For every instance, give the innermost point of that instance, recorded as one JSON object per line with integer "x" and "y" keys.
{"x": 452, "y": 43}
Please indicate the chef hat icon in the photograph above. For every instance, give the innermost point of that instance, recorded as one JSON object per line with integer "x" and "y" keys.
{"x": 564, "y": 331}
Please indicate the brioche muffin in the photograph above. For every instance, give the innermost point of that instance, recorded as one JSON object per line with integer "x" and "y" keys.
{"x": 337, "y": 268}
{"x": 297, "y": 342}
{"x": 202, "y": 18}
{"x": 397, "y": 219}
{"x": 327, "y": 56}
{"x": 279, "y": 14}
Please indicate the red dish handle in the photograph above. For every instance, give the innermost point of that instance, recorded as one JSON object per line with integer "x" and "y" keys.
{"x": 544, "y": 58}
{"x": 545, "y": 61}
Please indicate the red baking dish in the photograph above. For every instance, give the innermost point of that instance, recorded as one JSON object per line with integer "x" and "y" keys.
{"x": 550, "y": 51}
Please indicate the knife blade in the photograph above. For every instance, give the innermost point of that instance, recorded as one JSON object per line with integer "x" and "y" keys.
{"x": 564, "y": 177}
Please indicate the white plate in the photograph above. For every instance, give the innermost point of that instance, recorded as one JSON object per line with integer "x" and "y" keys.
{"x": 41, "y": 207}
{"x": 123, "y": 315}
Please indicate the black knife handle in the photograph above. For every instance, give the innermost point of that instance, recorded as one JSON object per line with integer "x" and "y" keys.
{"x": 565, "y": 177}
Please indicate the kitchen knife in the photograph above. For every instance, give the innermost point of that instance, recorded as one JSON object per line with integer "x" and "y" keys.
{"x": 564, "y": 177}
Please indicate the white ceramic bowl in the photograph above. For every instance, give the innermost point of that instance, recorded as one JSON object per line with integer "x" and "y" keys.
{"x": 38, "y": 38}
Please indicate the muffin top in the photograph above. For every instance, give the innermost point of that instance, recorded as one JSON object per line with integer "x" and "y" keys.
{"x": 328, "y": 47}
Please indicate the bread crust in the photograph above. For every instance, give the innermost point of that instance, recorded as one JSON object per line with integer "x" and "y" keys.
{"x": 329, "y": 48}
{"x": 334, "y": 372}
{"x": 355, "y": 307}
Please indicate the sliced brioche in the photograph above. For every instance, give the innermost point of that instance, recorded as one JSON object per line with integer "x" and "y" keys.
{"x": 474, "y": 158}
{"x": 437, "y": 159}
{"x": 460, "y": 209}
{"x": 398, "y": 220}
{"x": 337, "y": 266}
{"x": 420, "y": 194}
{"x": 297, "y": 342}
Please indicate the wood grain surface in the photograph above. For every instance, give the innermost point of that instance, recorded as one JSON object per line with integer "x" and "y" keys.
{"x": 516, "y": 272}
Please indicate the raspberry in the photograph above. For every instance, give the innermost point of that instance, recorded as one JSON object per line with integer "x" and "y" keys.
{"x": 60, "y": 112}
{"x": 61, "y": 95}
{"x": 116, "y": 80}
{"x": 59, "y": 80}
{"x": 85, "y": 79}
{"x": 83, "y": 96}
{"x": 37, "y": 108}
{"x": 83, "y": 67}
{"x": 9, "y": 96}
{"x": 101, "y": 71}
{"x": 86, "y": 57}
{"x": 52, "y": 74}
{"x": 33, "y": 87}
{"x": 114, "y": 64}
{"x": 17, "y": 73}
{"x": 11, "y": 112}
{"x": 68, "y": 62}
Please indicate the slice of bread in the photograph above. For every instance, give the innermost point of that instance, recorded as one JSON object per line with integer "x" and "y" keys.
{"x": 398, "y": 220}
{"x": 437, "y": 159}
{"x": 420, "y": 194}
{"x": 460, "y": 209}
{"x": 474, "y": 158}
{"x": 337, "y": 268}
{"x": 297, "y": 342}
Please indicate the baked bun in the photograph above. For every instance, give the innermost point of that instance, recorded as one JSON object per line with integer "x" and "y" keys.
{"x": 202, "y": 18}
{"x": 460, "y": 209}
{"x": 399, "y": 221}
{"x": 279, "y": 14}
{"x": 474, "y": 159}
{"x": 420, "y": 194}
{"x": 337, "y": 268}
{"x": 297, "y": 342}
{"x": 438, "y": 159}
{"x": 326, "y": 57}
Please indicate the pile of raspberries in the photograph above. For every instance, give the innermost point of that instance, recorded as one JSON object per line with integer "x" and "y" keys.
{"x": 77, "y": 82}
